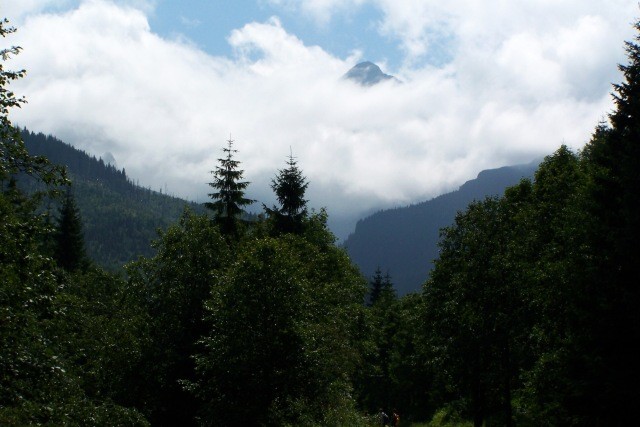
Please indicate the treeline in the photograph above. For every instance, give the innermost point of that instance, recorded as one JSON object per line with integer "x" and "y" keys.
{"x": 77, "y": 161}
{"x": 120, "y": 218}
{"x": 529, "y": 317}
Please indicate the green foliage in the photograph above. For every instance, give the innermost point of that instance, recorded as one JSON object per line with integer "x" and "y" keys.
{"x": 69, "y": 249}
{"x": 172, "y": 287}
{"x": 531, "y": 310}
{"x": 375, "y": 384}
{"x": 611, "y": 160}
{"x": 504, "y": 291}
{"x": 14, "y": 157}
{"x": 395, "y": 375}
{"x": 281, "y": 345}
{"x": 39, "y": 383}
{"x": 31, "y": 375}
{"x": 120, "y": 219}
{"x": 229, "y": 199}
{"x": 375, "y": 286}
{"x": 446, "y": 417}
{"x": 83, "y": 347}
{"x": 101, "y": 332}
{"x": 289, "y": 186}
{"x": 460, "y": 297}
{"x": 412, "y": 390}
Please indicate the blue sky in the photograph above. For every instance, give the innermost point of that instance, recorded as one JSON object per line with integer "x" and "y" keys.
{"x": 209, "y": 23}
{"x": 161, "y": 84}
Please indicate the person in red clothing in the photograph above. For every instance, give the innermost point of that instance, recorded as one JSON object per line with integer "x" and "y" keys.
{"x": 395, "y": 418}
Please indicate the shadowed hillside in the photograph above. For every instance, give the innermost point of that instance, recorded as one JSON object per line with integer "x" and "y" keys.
{"x": 403, "y": 241}
{"x": 120, "y": 218}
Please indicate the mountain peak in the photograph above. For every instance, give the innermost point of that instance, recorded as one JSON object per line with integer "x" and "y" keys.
{"x": 367, "y": 74}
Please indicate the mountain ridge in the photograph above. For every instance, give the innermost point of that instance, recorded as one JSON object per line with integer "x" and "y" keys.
{"x": 403, "y": 241}
{"x": 120, "y": 219}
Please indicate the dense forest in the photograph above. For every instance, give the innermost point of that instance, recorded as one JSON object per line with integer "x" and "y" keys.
{"x": 529, "y": 317}
{"x": 119, "y": 218}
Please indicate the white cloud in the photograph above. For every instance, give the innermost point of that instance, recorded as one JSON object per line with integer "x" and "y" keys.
{"x": 421, "y": 25}
{"x": 519, "y": 83}
{"x": 15, "y": 10}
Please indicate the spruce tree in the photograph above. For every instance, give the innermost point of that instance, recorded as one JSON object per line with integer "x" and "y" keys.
{"x": 381, "y": 289}
{"x": 614, "y": 156}
{"x": 375, "y": 287}
{"x": 624, "y": 159}
{"x": 289, "y": 185}
{"x": 70, "y": 251}
{"x": 387, "y": 295}
{"x": 228, "y": 199}
{"x": 613, "y": 161}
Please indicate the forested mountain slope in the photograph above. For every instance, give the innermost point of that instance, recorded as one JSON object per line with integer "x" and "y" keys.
{"x": 404, "y": 241}
{"x": 120, "y": 218}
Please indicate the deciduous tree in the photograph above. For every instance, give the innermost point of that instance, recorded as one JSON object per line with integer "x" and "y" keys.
{"x": 282, "y": 341}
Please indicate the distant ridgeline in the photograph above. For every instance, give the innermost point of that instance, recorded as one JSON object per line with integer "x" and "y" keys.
{"x": 404, "y": 241}
{"x": 120, "y": 218}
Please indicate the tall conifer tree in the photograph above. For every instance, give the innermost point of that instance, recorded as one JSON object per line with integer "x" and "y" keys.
{"x": 289, "y": 185}
{"x": 388, "y": 292}
{"x": 228, "y": 199}
{"x": 70, "y": 250}
{"x": 613, "y": 160}
{"x": 375, "y": 286}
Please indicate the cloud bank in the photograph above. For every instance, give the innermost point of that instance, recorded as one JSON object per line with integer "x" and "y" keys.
{"x": 519, "y": 79}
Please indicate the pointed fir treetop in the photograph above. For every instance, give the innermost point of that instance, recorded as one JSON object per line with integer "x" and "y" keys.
{"x": 229, "y": 199}
{"x": 614, "y": 152}
{"x": 70, "y": 250}
{"x": 375, "y": 286}
{"x": 627, "y": 93}
{"x": 614, "y": 156}
{"x": 290, "y": 186}
{"x": 388, "y": 292}
{"x": 381, "y": 289}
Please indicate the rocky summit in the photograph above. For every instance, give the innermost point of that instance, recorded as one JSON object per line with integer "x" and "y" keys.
{"x": 367, "y": 74}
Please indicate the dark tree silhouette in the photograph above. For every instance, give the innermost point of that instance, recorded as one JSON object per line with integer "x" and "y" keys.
{"x": 375, "y": 286}
{"x": 70, "y": 251}
{"x": 228, "y": 199}
{"x": 613, "y": 159}
{"x": 289, "y": 185}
